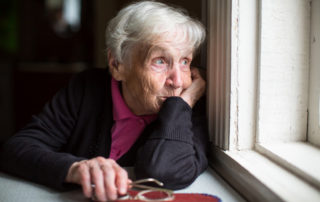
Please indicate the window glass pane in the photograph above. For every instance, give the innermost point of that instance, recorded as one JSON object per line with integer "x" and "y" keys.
{"x": 284, "y": 71}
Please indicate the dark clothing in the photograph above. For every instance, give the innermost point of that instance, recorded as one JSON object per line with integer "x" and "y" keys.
{"x": 76, "y": 125}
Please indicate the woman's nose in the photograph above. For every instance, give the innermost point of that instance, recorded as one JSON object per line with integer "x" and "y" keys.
{"x": 174, "y": 77}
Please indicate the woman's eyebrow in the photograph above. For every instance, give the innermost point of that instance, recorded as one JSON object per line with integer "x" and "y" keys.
{"x": 158, "y": 49}
{"x": 166, "y": 52}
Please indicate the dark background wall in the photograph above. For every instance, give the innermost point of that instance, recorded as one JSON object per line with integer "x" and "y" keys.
{"x": 39, "y": 52}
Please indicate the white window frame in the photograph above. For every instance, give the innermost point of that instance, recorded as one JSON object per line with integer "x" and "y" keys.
{"x": 234, "y": 47}
{"x": 314, "y": 90}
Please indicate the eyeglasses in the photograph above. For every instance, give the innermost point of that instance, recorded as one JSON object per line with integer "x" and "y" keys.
{"x": 147, "y": 193}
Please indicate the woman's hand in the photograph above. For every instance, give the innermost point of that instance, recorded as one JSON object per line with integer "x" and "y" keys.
{"x": 194, "y": 92}
{"x": 109, "y": 178}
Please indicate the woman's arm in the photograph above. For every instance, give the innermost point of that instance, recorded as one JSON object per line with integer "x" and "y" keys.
{"x": 34, "y": 152}
{"x": 175, "y": 149}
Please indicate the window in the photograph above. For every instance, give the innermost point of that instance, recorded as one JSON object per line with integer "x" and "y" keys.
{"x": 263, "y": 112}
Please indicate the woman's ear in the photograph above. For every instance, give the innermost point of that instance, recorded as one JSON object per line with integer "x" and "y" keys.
{"x": 116, "y": 69}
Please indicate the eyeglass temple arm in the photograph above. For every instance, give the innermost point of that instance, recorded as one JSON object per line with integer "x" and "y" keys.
{"x": 138, "y": 184}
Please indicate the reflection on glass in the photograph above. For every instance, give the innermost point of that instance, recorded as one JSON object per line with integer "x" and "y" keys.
{"x": 65, "y": 16}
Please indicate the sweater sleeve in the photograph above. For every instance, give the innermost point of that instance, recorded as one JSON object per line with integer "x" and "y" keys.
{"x": 175, "y": 149}
{"x": 34, "y": 152}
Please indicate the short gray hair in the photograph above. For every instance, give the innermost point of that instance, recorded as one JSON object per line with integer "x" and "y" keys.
{"x": 144, "y": 21}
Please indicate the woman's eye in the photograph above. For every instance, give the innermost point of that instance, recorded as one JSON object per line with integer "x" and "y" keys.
{"x": 185, "y": 65}
{"x": 159, "y": 62}
{"x": 185, "y": 62}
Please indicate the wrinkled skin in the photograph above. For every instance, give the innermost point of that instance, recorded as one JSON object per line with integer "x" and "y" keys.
{"x": 148, "y": 78}
{"x": 163, "y": 73}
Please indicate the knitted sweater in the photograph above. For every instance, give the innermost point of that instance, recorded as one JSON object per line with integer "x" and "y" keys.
{"x": 76, "y": 125}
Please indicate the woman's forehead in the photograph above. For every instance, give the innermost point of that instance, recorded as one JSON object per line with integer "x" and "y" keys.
{"x": 174, "y": 38}
{"x": 167, "y": 44}
{"x": 170, "y": 49}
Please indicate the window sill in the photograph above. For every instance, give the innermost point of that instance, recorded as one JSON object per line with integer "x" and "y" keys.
{"x": 258, "y": 178}
{"x": 300, "y": 158}
{"x": 210, "y": 182}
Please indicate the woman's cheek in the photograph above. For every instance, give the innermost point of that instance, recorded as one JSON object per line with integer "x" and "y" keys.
{"x": 158, "y": 82}
{"x": 151, "y": 85}
{"x": 187, "y": 81}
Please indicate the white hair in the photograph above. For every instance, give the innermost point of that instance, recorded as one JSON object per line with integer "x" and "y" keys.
{"x": 144, "y": 22}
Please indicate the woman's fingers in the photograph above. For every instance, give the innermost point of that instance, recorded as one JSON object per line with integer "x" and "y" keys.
{"x": 122, "y": 181}
{"x": 85, "y": 179}
{"x": 107, "y": 177}
{"x": 97, "y": 177}
{"x": 192, "y": 94}
{"x": 109, "y": 181}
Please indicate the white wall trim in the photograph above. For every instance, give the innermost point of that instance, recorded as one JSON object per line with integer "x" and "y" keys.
{"x": 219, "y": 44}
{"x": 245, "y": 43}
{"x": 314, "y": 85}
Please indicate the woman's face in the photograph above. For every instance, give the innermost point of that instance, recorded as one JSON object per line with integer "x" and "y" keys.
{"x": 164, "y": 72}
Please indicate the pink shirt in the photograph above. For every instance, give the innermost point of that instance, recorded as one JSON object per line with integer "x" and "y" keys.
{"x": 127, "y": 127}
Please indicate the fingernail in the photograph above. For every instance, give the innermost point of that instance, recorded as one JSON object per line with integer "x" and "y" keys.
{"x": 122, "y": 190}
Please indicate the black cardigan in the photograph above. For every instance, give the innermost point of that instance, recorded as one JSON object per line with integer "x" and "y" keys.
{"x": 76, "y": 125}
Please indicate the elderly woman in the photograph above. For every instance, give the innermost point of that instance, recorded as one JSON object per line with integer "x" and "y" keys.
{"x": 145, "y": 114}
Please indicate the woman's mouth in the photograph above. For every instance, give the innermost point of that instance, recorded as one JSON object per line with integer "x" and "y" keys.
{"x": 163, "y": 98}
